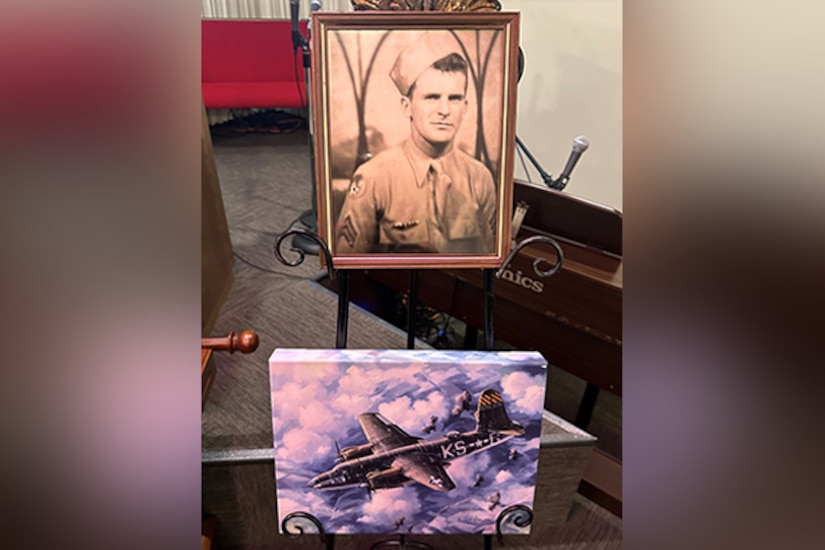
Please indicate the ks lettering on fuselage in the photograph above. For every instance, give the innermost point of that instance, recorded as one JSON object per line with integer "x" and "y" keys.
{"x": 461, "y": 447}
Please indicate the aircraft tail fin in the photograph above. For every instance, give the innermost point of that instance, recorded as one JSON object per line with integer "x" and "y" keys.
{"x": 492, "y": 417}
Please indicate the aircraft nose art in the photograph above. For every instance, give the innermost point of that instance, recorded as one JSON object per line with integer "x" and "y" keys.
{"x": 320, "y": 481}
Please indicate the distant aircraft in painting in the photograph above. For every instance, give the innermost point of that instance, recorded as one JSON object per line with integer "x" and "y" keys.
{"x": 393, "y": 458}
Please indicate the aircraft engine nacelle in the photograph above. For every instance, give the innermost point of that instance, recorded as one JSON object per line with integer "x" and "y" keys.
{"x": 386, "y": 479}
{"x": 358, "y": 451}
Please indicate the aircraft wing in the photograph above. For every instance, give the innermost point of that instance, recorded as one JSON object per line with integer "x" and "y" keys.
{"x": 426, "y": 472}
{"x": 384, "y": 434}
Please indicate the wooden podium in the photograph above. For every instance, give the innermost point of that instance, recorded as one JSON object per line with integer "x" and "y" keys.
{"x": 217, "y": 259}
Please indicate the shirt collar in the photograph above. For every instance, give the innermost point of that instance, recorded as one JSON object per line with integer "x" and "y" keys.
{"x": 420, "y": 162}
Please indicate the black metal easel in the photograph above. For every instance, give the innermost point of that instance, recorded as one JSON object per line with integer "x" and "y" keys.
{"x": 296, "y": 524}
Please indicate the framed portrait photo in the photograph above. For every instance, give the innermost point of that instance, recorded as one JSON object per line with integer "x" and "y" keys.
{"x": 414, "y": 131}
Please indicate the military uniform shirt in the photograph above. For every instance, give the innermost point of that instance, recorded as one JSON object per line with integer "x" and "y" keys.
{"x": 403, "y": 201}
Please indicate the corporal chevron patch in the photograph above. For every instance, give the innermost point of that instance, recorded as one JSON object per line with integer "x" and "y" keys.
{"x": 348, "y": 231}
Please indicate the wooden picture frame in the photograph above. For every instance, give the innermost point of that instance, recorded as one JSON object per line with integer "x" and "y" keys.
{"x": 382, "y": 112}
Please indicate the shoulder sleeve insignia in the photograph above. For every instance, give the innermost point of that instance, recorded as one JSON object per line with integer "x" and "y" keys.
{"x": 356, "y": 186}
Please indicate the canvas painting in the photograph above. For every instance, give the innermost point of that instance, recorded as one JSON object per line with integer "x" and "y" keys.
{"x": 405, "y": 441}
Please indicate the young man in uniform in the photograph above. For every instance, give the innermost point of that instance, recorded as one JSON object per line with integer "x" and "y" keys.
{"x": 425, "y": 194}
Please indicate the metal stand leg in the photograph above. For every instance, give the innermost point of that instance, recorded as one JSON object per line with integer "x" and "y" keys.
{"x": 412, "y": 303}
{"x": 343, "y": 309}
{"x": 309, "y": 218}
{"x": 470, "y": 337}
{"x": 588, "y": 404}
{"x": 489, "y": 300}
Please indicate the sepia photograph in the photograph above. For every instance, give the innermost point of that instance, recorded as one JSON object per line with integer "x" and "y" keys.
{"x": 378, "y": 441}
{"x": 414, "y": 137}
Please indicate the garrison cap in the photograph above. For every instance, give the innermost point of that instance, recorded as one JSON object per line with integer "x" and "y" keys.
{"x": 420, "y": 56}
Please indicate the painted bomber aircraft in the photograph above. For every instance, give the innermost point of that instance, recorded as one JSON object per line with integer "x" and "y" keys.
{"x": 393, "y": 458}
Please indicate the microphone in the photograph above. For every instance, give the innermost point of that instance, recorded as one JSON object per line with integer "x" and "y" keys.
{"x": 314, "y": 6}
{"x": 580, "y": 145}
{"x": 296, "y": 33}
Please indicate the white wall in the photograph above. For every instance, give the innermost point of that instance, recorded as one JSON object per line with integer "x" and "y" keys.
{"x": 572, "y": 85}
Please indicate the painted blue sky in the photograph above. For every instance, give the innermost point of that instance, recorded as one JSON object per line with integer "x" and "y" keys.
{"x": 318, "y": 394}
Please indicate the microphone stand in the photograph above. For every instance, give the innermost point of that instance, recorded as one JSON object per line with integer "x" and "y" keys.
{"x": 308, "y": 218}
{"x": 559, "y": 183}
{"x": 580, "y": 145}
